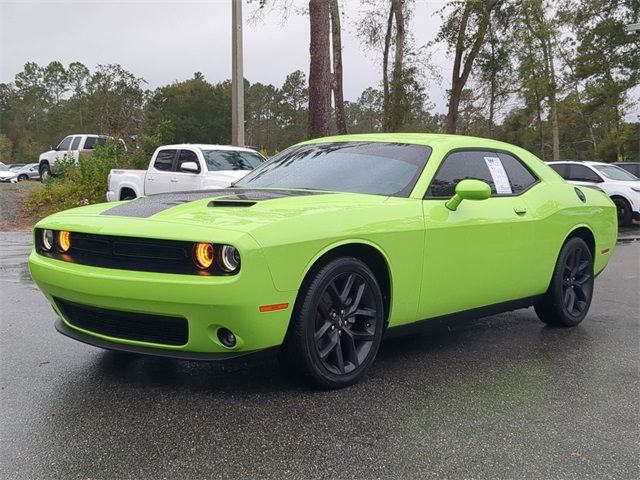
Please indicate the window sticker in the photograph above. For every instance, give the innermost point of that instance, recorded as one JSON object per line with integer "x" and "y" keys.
{"x": 499, "y": 175}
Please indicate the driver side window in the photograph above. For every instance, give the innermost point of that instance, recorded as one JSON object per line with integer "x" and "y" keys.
{"x": 460, "y": 166}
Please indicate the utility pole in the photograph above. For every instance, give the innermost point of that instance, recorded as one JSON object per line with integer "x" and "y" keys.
{"x": 237, "y": 77}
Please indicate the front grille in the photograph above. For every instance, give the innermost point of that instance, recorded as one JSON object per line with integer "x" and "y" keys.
{"x": 126, "y": 325}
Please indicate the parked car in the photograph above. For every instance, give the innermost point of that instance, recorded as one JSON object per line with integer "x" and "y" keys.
{"x": 324, "y": 248}
{"x": 631, "y": 167}
{"x": 28, "y": 172}
{"x": 16, "y": 166}
{"x": 623, "y": 187}
{"x": 71, "y": 147}
{"x": 179, "y": 168}
{"x": 7, "y": 175}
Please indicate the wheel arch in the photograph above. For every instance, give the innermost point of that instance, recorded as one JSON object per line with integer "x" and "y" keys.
{"x": 585, "y": 233}
{"x": 127, "y": 188}
{"x": 367, "y": 252}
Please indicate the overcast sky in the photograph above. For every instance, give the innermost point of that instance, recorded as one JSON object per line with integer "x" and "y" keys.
{"x": 164, "y": 41}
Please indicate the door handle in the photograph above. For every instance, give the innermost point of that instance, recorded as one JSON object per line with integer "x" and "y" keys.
{"x": 174, "y": 180}
{"x": 520, "y": 209}
{"x": 151, "y": 179}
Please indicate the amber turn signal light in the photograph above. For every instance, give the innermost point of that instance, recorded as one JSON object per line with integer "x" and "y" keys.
{"x": 203, "y": 255}
{"x": 64, "y": 241}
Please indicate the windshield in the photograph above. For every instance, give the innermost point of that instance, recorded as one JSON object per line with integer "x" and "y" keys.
{"x": 357, "y": 167}
{"x": 615, "y": 173}
{"x": 231, "y": 160}
{"x": 4, "y": 168}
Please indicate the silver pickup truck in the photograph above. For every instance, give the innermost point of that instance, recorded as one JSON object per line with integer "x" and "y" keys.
{"x": 181, "y": 168}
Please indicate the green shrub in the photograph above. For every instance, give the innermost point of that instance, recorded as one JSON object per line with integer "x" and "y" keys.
{"x": 83, "y": 182}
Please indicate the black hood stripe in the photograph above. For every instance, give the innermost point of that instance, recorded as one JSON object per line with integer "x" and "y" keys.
{"x": 145, "y": 207}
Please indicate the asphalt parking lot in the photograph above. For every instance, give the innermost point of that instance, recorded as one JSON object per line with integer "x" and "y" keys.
{"x": 499, "y": 397}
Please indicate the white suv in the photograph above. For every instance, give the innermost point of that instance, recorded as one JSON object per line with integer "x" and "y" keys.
{"x": 623, "y": 187}
{"x": 71, "y": 147}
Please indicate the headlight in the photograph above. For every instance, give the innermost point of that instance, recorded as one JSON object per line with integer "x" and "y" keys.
{"x": 46, "y": 240}
{"x": 64, "y": 241}
{"x": 203, "y": 255}
{"x": 229, "y": 259}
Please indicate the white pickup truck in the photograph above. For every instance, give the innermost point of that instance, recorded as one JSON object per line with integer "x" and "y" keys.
{"x": 181, "y": 168}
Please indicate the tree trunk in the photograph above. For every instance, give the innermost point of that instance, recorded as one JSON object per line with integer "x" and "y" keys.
{"x": 336, "y": 45}
{"x": 459, "y": 79}
{"x": 385, "y": 68}
{"x": 396, "y": 114}
{"x": 553, "y": 104}
{"x": 319, "y": 68}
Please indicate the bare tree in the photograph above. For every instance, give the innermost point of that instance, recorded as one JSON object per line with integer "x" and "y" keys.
{"x": 466, "y": 29}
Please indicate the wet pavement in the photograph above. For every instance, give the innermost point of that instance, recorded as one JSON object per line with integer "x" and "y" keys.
{"x": 499, "y": 397}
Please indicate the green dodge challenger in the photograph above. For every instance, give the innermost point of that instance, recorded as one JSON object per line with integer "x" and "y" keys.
{"x": 323, "y": 248}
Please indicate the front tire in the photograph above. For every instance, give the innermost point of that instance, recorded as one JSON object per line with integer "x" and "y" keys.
{"x": 337, "y": 325}
{"x": 45, "y": 172}
{"x": 567, "y": 301}
{"x": 22, "y": 178}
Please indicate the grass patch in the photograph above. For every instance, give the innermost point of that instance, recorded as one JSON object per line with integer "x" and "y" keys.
{"x": 81, "y": 183}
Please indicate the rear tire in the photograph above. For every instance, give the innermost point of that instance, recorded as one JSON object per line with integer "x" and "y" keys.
{"x": 337, "y": 325}
{"x": 624, "y": 211}
{"x": 567, "y": 301}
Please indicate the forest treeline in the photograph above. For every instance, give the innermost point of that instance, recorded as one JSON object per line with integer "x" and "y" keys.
{"x": 555, "y": 77}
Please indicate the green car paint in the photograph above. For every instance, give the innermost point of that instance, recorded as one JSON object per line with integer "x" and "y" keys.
{"x": 442, "y": 255}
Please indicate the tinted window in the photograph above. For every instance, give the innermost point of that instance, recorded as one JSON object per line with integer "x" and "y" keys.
{"x": 164, "y": 160}
{"x": 75, "y": 143}
{"x": 102, "y": 141}
{"x": 359, "y": 167}
{"x": 89, "y": 143}
{"x": 520, "y": 178}
{"x": 459, "y": 166}
{"x": 64, "y": 144}
{"x": 561, "y": 168}
{"x": 582, "y": 174}
{"x": 231, "y": 160}
{"x": 187, "y": 156}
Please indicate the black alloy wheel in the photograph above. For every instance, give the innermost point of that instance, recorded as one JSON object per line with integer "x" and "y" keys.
{"x": 568, "y": 298}
{"x": 337, "y": 325}
{"x": 345, "y": 326}
{"x": 577, "y": 281}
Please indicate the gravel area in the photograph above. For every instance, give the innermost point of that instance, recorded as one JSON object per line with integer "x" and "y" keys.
{"x": 12, "y": 218}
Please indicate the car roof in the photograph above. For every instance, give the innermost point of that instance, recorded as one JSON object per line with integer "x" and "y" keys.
{"x": 204, "y": 146}
{"x": 427, "y": 139}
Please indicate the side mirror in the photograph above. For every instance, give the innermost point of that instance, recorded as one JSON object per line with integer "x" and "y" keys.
{"x": 54, "y": 147}
{"x": 191, "y": 167}
{"x": 469, "y": 190}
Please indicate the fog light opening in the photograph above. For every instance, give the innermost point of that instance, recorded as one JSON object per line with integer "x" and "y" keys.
{"x": 226, "y": 337}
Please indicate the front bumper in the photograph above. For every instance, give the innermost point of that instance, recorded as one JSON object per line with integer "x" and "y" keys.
{"x": 111, "y": 196}
{"x": 207, "y": 303}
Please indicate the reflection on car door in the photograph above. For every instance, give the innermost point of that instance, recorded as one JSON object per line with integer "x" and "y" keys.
{"x": 158, "y": 177}
{"x": 186, "y": 181}
{"x": 473, "y": 255}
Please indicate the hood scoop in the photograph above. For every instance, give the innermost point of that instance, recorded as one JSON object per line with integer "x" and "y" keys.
{"x": 231, "y": 203}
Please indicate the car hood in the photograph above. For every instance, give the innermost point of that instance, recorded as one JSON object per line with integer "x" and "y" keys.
{"x": 9, "y": 174}
{"x": 626, "y": 183}
{"x": 228, "y": 175}
{"x": 209, "y": 213}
